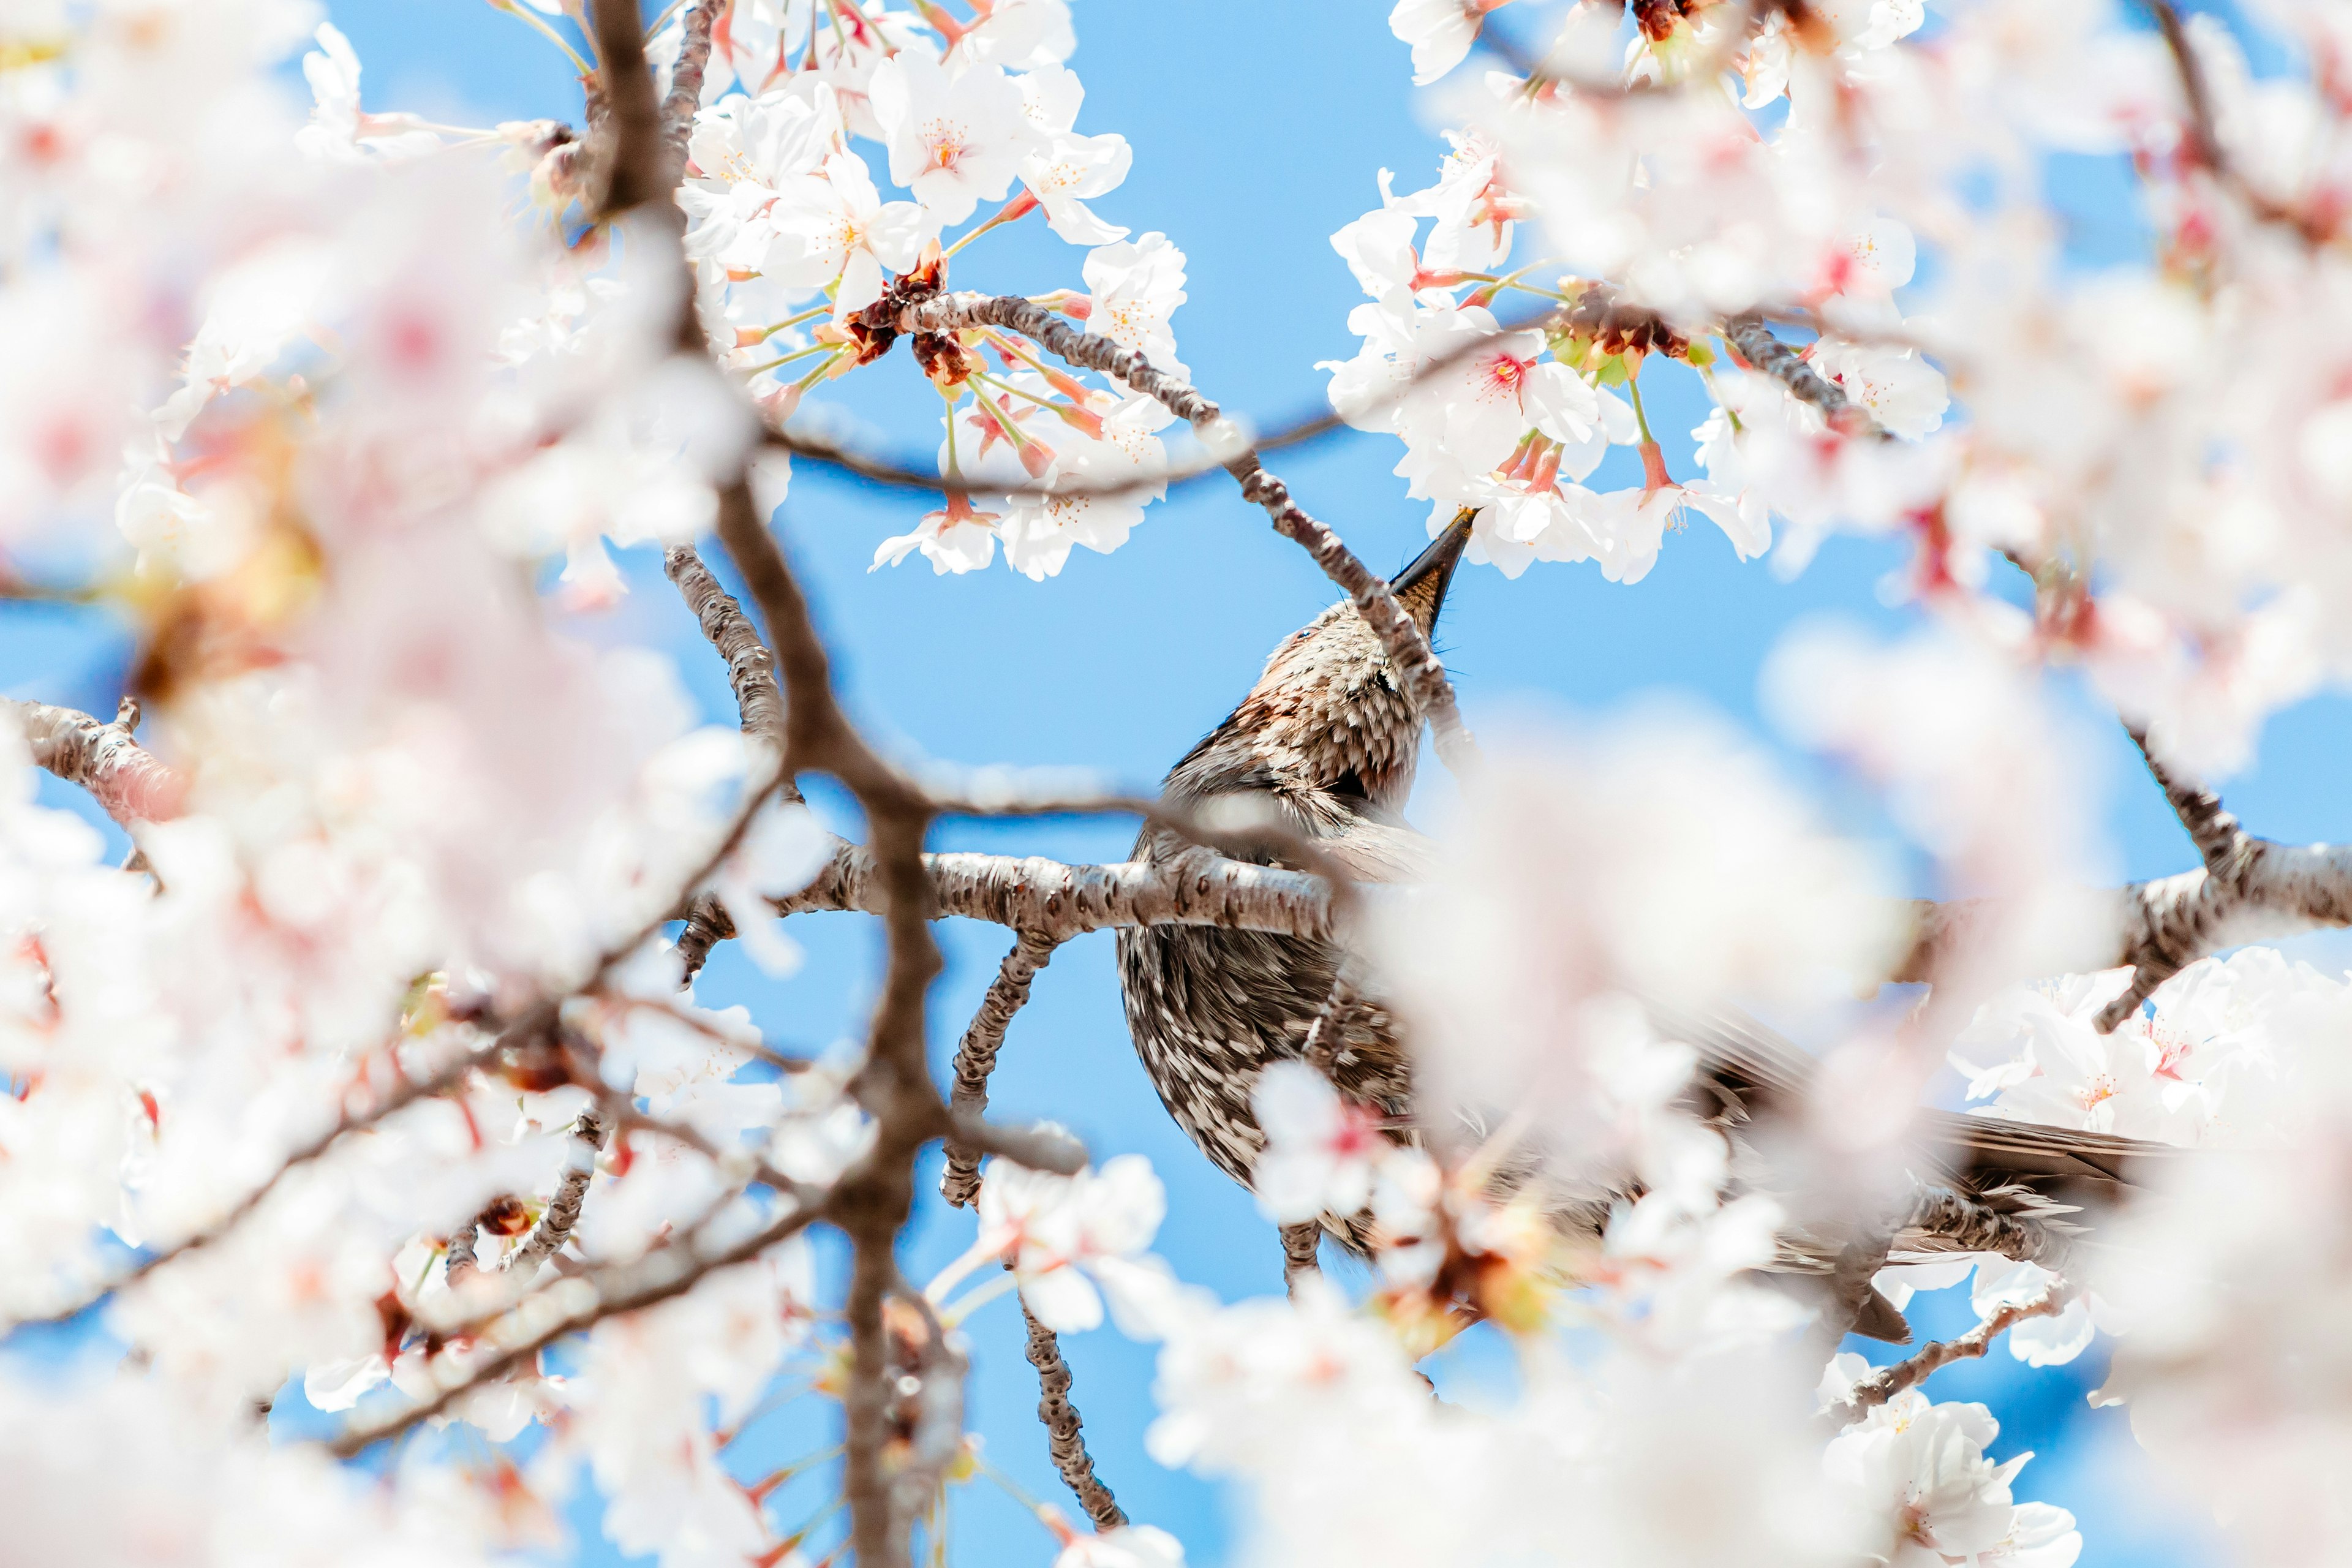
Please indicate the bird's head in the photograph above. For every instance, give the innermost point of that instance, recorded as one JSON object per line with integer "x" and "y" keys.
{"x": 1328, "y": 714}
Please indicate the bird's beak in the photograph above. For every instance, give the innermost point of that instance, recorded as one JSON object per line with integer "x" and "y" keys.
{"x": 1421, "y": 587}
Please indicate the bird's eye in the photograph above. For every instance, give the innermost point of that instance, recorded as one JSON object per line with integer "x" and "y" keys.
{"x": 1349, "y": 786}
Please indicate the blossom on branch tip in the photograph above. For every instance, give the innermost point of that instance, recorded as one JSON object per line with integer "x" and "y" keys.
{"x": 1055, "y": 1231}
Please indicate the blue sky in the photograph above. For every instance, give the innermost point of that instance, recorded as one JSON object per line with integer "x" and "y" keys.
{"x": 1257, "y": 131}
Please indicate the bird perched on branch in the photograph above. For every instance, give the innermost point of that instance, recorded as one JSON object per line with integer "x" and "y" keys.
{"x": 1324, "y": 745}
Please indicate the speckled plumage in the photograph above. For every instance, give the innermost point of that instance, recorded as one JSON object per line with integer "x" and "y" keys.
{"x": 1328, "y": 743}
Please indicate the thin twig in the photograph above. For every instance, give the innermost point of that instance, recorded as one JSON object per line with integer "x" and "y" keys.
{"x": 760, "y": 707}
{"x": 1768, "y": 354}
{"x": 2220, "y": 840}
{"x": 1890, "y": 1381}
{"x": 750, "y": 667}
{"x": 975, "y": 1055}
{"x": 1065, "y": 1435}
{"x": 1295, "y": 432}
{"x": 658, "y": 1276}
{"x": 554, "y": 1228}
{"x": 461, "y": 1259}
{"x": 1416, "y": 666}
{"x": 685, "y": 81}
{"x": 2231, "y": 855}
{"x": 2205, "y": 141}
{"x": 407, "y": 1092}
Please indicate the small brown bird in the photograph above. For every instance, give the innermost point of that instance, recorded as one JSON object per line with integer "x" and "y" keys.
{"x": 1326, "y": 743}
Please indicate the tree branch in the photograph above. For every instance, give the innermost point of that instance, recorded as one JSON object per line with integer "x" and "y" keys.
{"x": 1064, "y": 1431}
{"x": 975, "y": 1055}
{"x": 1890, "y": 1381}
{"x": 121, "y": 775}
{"x": 1060, "y": 901}
{"x": 462, "y": 1258}
{"x": 627, "y": 119}
{"x": 407, "y": 1092}
{"x": 2220, "y": 840}
{"x": 1768, "y": 354}
{"x": 1044, "y": 1147}
{"x": 895, "y": 1083}
{"x": 931, "y": 1415}
{"x": 2179, "y": 938}
{"x": 546, "y": 1316}
{"x": 1410, "y": 656}
{"x": 685, "y": 81}
{"x": 750, "y": 667}
{"x": 2205, "y": 141}
{"x": 758, "y": 703}
{"x": 2160, "y": 928}
{"x": 554, "y": 1228}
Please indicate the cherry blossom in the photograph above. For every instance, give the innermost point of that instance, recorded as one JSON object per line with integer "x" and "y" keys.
{"x": 834, "y": 228}
{"x": 1128, "y": 1546}
{"x": 954, "y": 143}
{"x": 339, "y": 127}
{"x": 1056, "y": 1230}
{"x": 1321, "y": 1152}
{"x": 956, "y": 538}
{"x": 1440, "y": 31}
{"x": 1065, "y": 169}
{"x": 1133, "y": 288}
{"x": 1018, "y": 34}
{"x": 1924, "y": 1464}
{"x": 2161, "y": 1075}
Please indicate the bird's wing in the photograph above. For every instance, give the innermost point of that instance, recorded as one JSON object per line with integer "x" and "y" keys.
{"x": 1751, "y": 1071}
{"x": 1380, "y": 851}
{"x": 1990, "y": 1151}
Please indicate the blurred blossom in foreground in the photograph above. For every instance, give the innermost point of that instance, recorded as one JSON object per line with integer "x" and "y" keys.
{"x": 1661, "y": 859}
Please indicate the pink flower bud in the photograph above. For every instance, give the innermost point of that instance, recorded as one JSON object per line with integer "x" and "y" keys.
{"x": 778, "y": 404}
{"x": 1083, "y": 420}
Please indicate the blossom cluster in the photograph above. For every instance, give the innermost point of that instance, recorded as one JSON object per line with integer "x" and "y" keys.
{"x": 793, "y": 241}
{"x": 1668, "y": 180}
